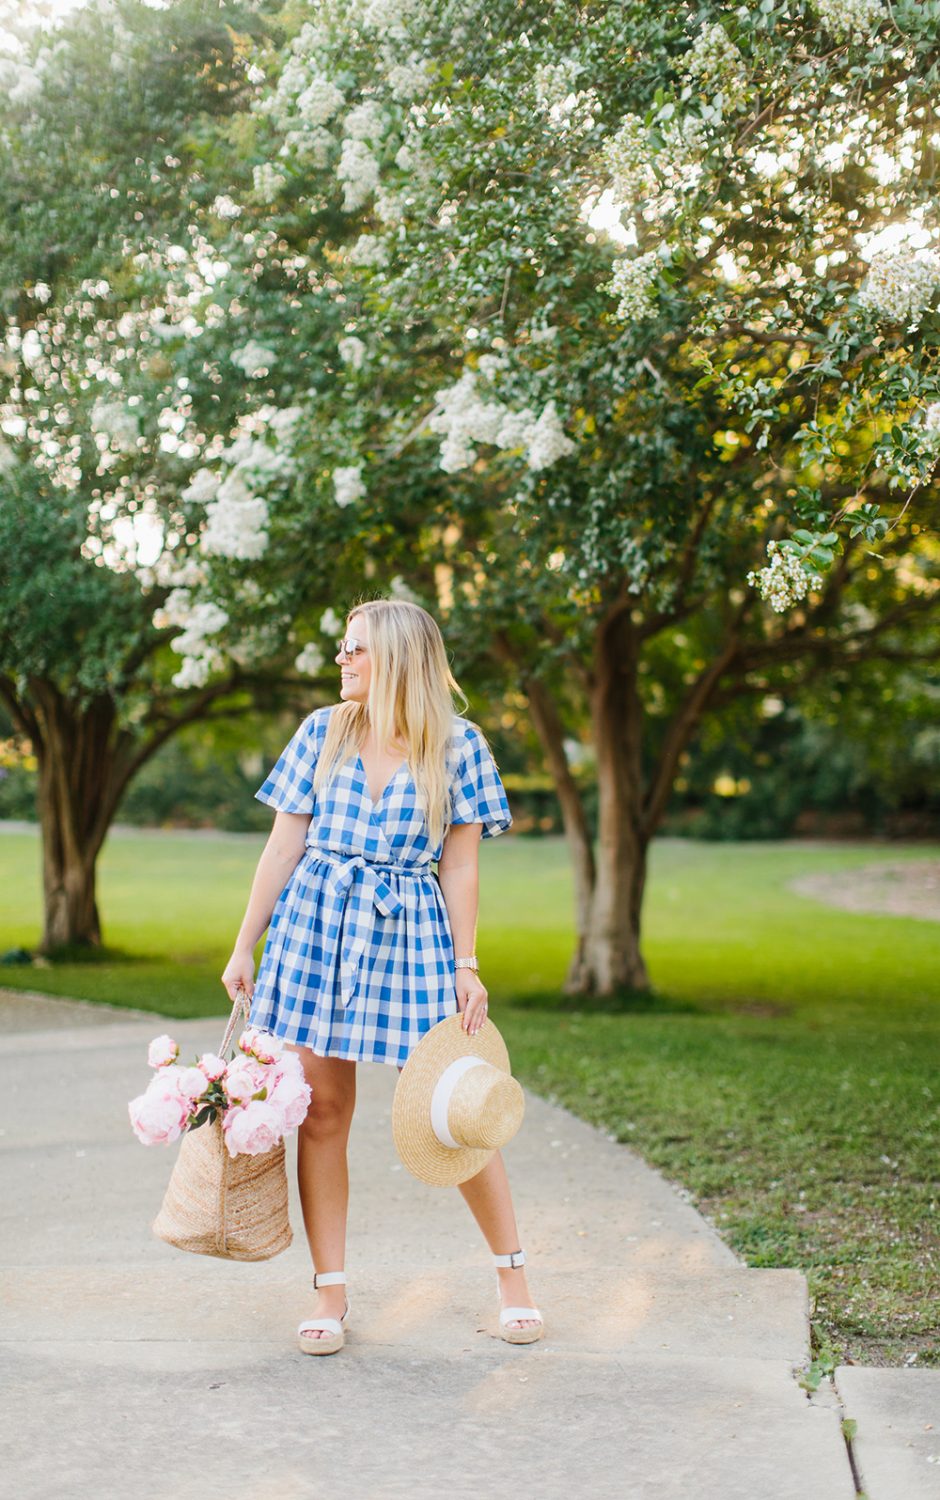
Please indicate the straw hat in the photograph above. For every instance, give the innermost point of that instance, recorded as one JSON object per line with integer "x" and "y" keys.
{"x": 455, "y": 1102}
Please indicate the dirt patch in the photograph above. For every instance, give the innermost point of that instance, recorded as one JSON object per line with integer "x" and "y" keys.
{"x": 908, "y": 889}
{"x": 770, "y": 1009}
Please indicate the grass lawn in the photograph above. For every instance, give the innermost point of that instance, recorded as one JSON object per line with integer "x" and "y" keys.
{"x": 783, "y": 1071}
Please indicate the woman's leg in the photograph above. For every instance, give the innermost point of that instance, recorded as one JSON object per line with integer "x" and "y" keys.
{"x": 490, "y": 1202}
{"x": 323, "y": 1172}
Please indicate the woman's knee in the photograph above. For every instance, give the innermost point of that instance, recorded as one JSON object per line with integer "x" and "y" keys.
{"x": 332, "y": 1093}
{"x": 327, "y": 1115}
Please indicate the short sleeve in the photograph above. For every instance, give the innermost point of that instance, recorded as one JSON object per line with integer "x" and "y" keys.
{"x": 288, "y": 787}
{"x": 477, "y": 793}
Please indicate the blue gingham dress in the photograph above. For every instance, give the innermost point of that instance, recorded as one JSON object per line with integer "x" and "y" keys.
{"x": 358, "y": 959}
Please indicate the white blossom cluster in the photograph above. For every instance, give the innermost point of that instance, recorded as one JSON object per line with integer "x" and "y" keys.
{"x": 319, "y": 101}
{"x": 236, "y": 518}
{"x": 399, "y": 589}
{"x": 20, "y": 78}
{"x": 236, "y": 515}
{"x": 225, "y": 207}
{"x": 553, "y": 82}
{"x": 386, "y": 17}
{"x": 115, "y": 423}
{"x": 715, "y": 64}
{"x": 304, "y": 101}
{"x": 370, "y": 251}
{"x": 851, "y": 18}
{"x": 235, "y": 527}
{"x": 684, "y": 141}
{"x": 558, "y": 97}
{"x": 352, "y": 351}
{"x": 365, "y": 122}
{"x": 169, "y": 571}
{"x": 202, "y": 487}
{"x": 901, "y": 286}
{"x": 626, "y": 155}
{"x": 310, "y": 660}
{"x": 268, "y": 182}
{"x": 932, "y": 426}
{"x": 547, "y": 441}
{"x": 409, "y": 78}
{"x": 785, "y": 580}
{"x": 389, "y": 208}
{"x": 348, "y": 485}
{"x": 254, "y": 358}
{"x": 466, "y": 418}
{"x": 236, "y": 521}
{"x": 198, "y": 620}
{"x": 411, "y": 158}
{"x": 634, "y": 283}
{"x": 358, "y": 171}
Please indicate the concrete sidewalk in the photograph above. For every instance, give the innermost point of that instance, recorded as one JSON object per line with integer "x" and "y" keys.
{"x": 667, "y": 1369}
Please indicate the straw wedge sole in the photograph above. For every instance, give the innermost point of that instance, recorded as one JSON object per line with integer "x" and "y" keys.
{"x": 333, "y": 1327}
{"x": 520, "y": 1335}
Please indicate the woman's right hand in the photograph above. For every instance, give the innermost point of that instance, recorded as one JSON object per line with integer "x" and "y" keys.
{"x": 239, "y": 972}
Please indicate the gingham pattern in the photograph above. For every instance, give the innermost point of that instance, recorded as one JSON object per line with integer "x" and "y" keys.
{"x": 359, "y": 957}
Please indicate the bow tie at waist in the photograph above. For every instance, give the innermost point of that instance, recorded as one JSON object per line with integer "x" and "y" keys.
{"x": 357, "y": 901}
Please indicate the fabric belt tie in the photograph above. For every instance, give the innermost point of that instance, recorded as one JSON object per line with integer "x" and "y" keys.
{"x": 357, "y": 900}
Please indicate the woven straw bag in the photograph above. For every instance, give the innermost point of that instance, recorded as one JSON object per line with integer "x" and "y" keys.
{"x": 234, "y": 1207}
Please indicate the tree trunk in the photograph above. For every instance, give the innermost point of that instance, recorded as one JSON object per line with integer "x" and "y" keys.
{"x": 76, "y": 751}
{"x": 86, "y": 760}
{"x": 610, "y": 956}
{"x": 549, "y": 728}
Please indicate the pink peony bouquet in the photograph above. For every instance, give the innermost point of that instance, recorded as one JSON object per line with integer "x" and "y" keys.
{"x": 260, "y": 1093}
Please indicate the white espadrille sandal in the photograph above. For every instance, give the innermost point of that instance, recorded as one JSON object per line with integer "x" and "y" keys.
{"x": 508, "y": 1314}
{"x": 331, "y": 1326}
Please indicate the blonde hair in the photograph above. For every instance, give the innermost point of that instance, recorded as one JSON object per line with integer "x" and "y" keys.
{"x": 412, "y": 688}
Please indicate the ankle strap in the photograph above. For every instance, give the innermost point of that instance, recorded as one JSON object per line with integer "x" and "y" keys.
{"x": 328, "y": 1278}
{"x": 514, "y": 1258}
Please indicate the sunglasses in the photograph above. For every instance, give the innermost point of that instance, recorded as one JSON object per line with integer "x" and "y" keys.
{"x": 350, "y": 646}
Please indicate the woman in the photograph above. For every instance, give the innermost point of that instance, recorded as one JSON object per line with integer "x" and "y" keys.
{"x": 366, "y": 948}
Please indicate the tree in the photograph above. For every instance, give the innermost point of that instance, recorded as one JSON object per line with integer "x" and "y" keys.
{"x": 634, "y": 273}
{"x": 97, "y": 419}
{"x": 575, "y": 312}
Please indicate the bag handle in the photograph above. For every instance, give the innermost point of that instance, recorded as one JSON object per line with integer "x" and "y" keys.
{"x": 241, "y": 1002}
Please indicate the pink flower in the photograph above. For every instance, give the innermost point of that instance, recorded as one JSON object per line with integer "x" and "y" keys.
{"x": 167, "y": 1077}
{"x": 252, "y": 1130}
{"x": 291, "y": 1095}
{"x": 291, "y": 1092}
{"x": 261, "y": 1044}
{"x": 191, "y": 1083}
{"x": 212, "y": 1067}
{"x": 243, "y": 1079}
{"x": 158, "y": 1116}
{"x": 162, "y": 1050}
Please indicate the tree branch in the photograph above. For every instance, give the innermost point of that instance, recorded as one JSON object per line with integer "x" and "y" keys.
{"x": 680, "y": 731}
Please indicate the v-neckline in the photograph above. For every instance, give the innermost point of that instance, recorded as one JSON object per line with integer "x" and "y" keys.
{"x": 365, "y": 781}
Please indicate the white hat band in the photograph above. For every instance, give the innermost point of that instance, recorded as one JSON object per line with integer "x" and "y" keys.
{"x": 443, "y": 1093}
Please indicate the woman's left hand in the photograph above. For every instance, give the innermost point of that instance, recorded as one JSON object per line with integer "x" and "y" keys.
{"x": 471, "y": 999}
